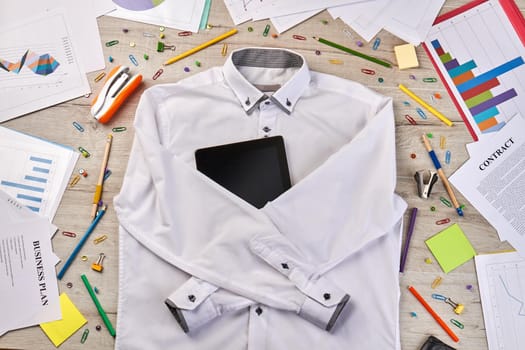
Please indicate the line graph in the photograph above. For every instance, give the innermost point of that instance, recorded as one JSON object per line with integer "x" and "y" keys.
{"x": 521, "y": 311}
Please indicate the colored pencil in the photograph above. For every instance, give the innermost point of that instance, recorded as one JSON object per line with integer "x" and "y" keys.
{"x": 411, "y": 225}
{"x": 433, "y": 313}
{"x": 442, "y": 176}
{"x": 431, "y": 109}
{"x": 200, "y": 47}
{"x": 100, "y": 182}
{"x": 101, "y": 311}
{"x": 353, "y": 52}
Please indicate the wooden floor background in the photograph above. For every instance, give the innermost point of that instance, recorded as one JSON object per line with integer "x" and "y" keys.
{"x": 55, "y": 123}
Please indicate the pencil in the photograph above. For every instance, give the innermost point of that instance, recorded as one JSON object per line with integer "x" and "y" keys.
{"x": 200, "y": 47}
{"x": 442, "y": 176}
{"x": 433, "y": 313}
{"x": 81, "y": 243}
{"x": 353, "y": 52}
{"x": 100, "y": 182}
{"x": 411, "y": 225}
{"x": 101, "y": 311}
{"x": 426, "y": 105}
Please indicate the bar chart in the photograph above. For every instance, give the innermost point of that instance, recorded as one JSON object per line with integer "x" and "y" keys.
{"x": 480, "y": 59}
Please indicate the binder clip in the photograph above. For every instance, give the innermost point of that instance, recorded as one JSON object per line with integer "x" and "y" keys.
{"x": 118, "y": 87}
{"x": 425, "y": 179}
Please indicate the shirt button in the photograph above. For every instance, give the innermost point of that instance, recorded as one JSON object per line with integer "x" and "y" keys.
{"x": 267, "y": 102}
{"x": 191, "y": 297}
{"x": 267, "y": 129}
{"x": 258, "y": 311}
{"x": 326, "y": 296}
{"x": 285, "y": 266}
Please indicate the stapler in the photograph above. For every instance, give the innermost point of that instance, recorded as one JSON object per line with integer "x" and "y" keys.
{"x": 119, "y": 85}
{"x": 425, "y": 179}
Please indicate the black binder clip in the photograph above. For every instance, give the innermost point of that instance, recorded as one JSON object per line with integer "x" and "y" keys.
{"x": 425, "y": 179}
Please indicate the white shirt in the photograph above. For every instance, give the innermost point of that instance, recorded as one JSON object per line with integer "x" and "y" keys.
{"x": 270, "y": 278}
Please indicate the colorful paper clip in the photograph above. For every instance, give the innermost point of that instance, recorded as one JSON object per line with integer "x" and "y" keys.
{"x": 436, "y": 282}
{"x": 368, "y": 71}
{"x": 430, "y": 80}
{"x": 84, "y": 152}
{"x": 298, "y": 37}
{"x": 111, "y": 43}
{"x": 445, "y": 201}
{"x": 133, "y": 60}
{"x": 410, "y": 119}
{"x": 377, "y": 42}
{"x": 99, "y": 77}
{"x": 119, "y": 129}
{"x": 266, "y": 30}
{"x": 447, "y": 157}
{"x": 421, "y": 113}
{"x": 184, "y": 33}
{"x": 335, "y": 61}
{"x": 74, "y": 180}
{"x": 100, "y": 239}
{"x": 69, "y": 234}
{"x": 84, "y": 336}
{"x": 443, "y": 221}
{"x": 157, "y": 74}
{"x": 457, "y": 323}
{"x": 442, "y": 142}
{"x": 224, "y": 50}
{"x": 78, "y": 126}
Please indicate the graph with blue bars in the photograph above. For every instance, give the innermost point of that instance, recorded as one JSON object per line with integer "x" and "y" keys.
{"x": 30, "y": 188}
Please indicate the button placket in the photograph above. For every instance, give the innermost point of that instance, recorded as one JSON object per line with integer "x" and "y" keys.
{"x": 258, "y": 327}
{"x": 267, "y": 118}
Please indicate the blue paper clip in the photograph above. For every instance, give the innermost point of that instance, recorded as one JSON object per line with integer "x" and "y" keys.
{"x": 447, "y": 157}
{"x": 376, "y": 44}
{"x": 421, "y": 113}
{"x": 78, "y": 126}
{"x": 133, "y": 60}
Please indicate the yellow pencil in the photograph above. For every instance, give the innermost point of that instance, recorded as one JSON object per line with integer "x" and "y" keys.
{"x": 100, "y": 182}
{"x": 426, "y": 105}
{"x": 200, "y": 47}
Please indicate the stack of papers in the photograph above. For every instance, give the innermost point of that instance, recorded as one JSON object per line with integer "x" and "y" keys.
{"x": 28, "y": 279}
{"x": 410, "y": 20}
{"x": 34, "y": 171}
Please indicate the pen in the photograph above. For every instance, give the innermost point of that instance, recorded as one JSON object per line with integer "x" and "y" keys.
{"x": 426, "y": 105}
{"x": 353, "y": 52}
{"x": 81, "y": 242}
{"x": 101, "y": 311}
{"x": 442, "y": 176}
{"x": 433, "y": 313}
{"x": 98, "y": 191}
{"x": 200, "y": 47}
{"x": 411, "y": 225}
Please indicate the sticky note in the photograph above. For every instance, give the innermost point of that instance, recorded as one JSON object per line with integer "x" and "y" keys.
{"x": 58, "y": 331}
{"x": 406, "y": 56}
{"x": 451, "y": 248}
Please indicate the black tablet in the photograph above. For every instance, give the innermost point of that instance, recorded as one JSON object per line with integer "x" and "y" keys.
{"x": 255, "y": 170}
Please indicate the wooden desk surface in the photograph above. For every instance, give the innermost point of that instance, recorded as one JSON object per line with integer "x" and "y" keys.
{"x": 55, "y": 124}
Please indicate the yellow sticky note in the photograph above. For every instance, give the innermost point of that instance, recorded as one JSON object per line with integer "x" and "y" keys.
{"x": 451, "y": 248}
{"x": 406, "y": 56}
{"x": 58, "y": 331}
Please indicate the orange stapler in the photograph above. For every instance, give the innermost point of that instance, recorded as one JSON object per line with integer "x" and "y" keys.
{"x": 117, "y": 88}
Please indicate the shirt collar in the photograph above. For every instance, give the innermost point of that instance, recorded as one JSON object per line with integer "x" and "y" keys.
{"x": 249, "y": 95}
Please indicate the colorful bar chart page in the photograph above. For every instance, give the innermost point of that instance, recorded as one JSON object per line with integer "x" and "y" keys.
{"x": 480, "y": 58}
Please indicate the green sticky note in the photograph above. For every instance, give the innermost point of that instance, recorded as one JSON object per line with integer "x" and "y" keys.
{"x": 451, "y": 248}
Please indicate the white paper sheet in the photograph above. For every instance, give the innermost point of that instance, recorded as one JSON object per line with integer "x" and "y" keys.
{"x": 34, "y": 171}
{"x": 183, "y": 15}
{"x": 47, "y": 38}
{"x": 275, "y": 8}
{"x": 493, "y": 181}
{"x": 501, "y": 280}
{"x": 283, "y": 23}
{"x": 29, "y": 285}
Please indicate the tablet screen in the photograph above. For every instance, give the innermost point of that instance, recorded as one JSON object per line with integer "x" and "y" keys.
{"x": 255, "y": 170}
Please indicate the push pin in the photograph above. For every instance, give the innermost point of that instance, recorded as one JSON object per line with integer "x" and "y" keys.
{"x": 161, "y": 46}
{"x": 97, "y": 266}
{"x": 425, "y": 179}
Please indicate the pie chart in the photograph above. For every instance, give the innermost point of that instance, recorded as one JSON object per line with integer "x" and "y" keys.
{"x": 138, "y": 5}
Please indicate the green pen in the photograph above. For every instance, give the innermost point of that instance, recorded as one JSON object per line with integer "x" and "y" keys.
{"x": 101, "y": 311}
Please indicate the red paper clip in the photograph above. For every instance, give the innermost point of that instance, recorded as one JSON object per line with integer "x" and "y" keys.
{"x": 368, "y": 71}
{"x": 69, "y": 234}
{"x": 298, "y": 37}
{"x": 185, "y": 33}
{"x": 410, "y": 119}
{"x": 157, "y": 74}
{"x": 443, "y": 221}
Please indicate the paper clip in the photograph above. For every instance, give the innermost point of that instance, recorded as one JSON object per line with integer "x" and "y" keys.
{"x": 436, "y": 282}
{"x": 224, "y": 49}
{"x": 368, "y": 71}
{"x": 100, "y": 239}
{"x": 439, "y": 297}
{"x": 119, "y": 129}
{"x": 443, "y": 221}
{"x": 421, "y": 113}
{"x": 84, "y": 336}
{"x": 69, "y": 234}
{"x": 442, "y": 142}
{"x": 298, "y": 37}
{"x": 266, "y": 30}
{"x": 133, "y": 60}
{"x": 100, "y": 76}
{"x": 457, "y": 323}
{"x": 74, "y": 180}
{"x": 447, "y": 157}
{"x": 148, "y": 35}
{"x": 184, "y": 33}
{"x": 85, "y": 153}
{"x": 410, "y": 119}
{"x": 157, "y": 74}
{"x": 376, "y": 44}
{"x": 78, "y": 126}
{"x": 430, "y": 80}
{"x": 425, "y": 179}
{"x": 445, "y": 201}
{"x": 335, "y": 61}
{"x": 111, "y": 43}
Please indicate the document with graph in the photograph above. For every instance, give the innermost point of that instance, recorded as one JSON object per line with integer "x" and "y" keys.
{"x": 501, "y": 279}
{"x": 34, "y": 171}
{"x": 478, "y": 51}
{"x": 38, "y": 65}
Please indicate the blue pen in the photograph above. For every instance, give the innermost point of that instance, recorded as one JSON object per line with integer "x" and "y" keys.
{"x": 442, "y": 176}
{"x": 81, "y": 242}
